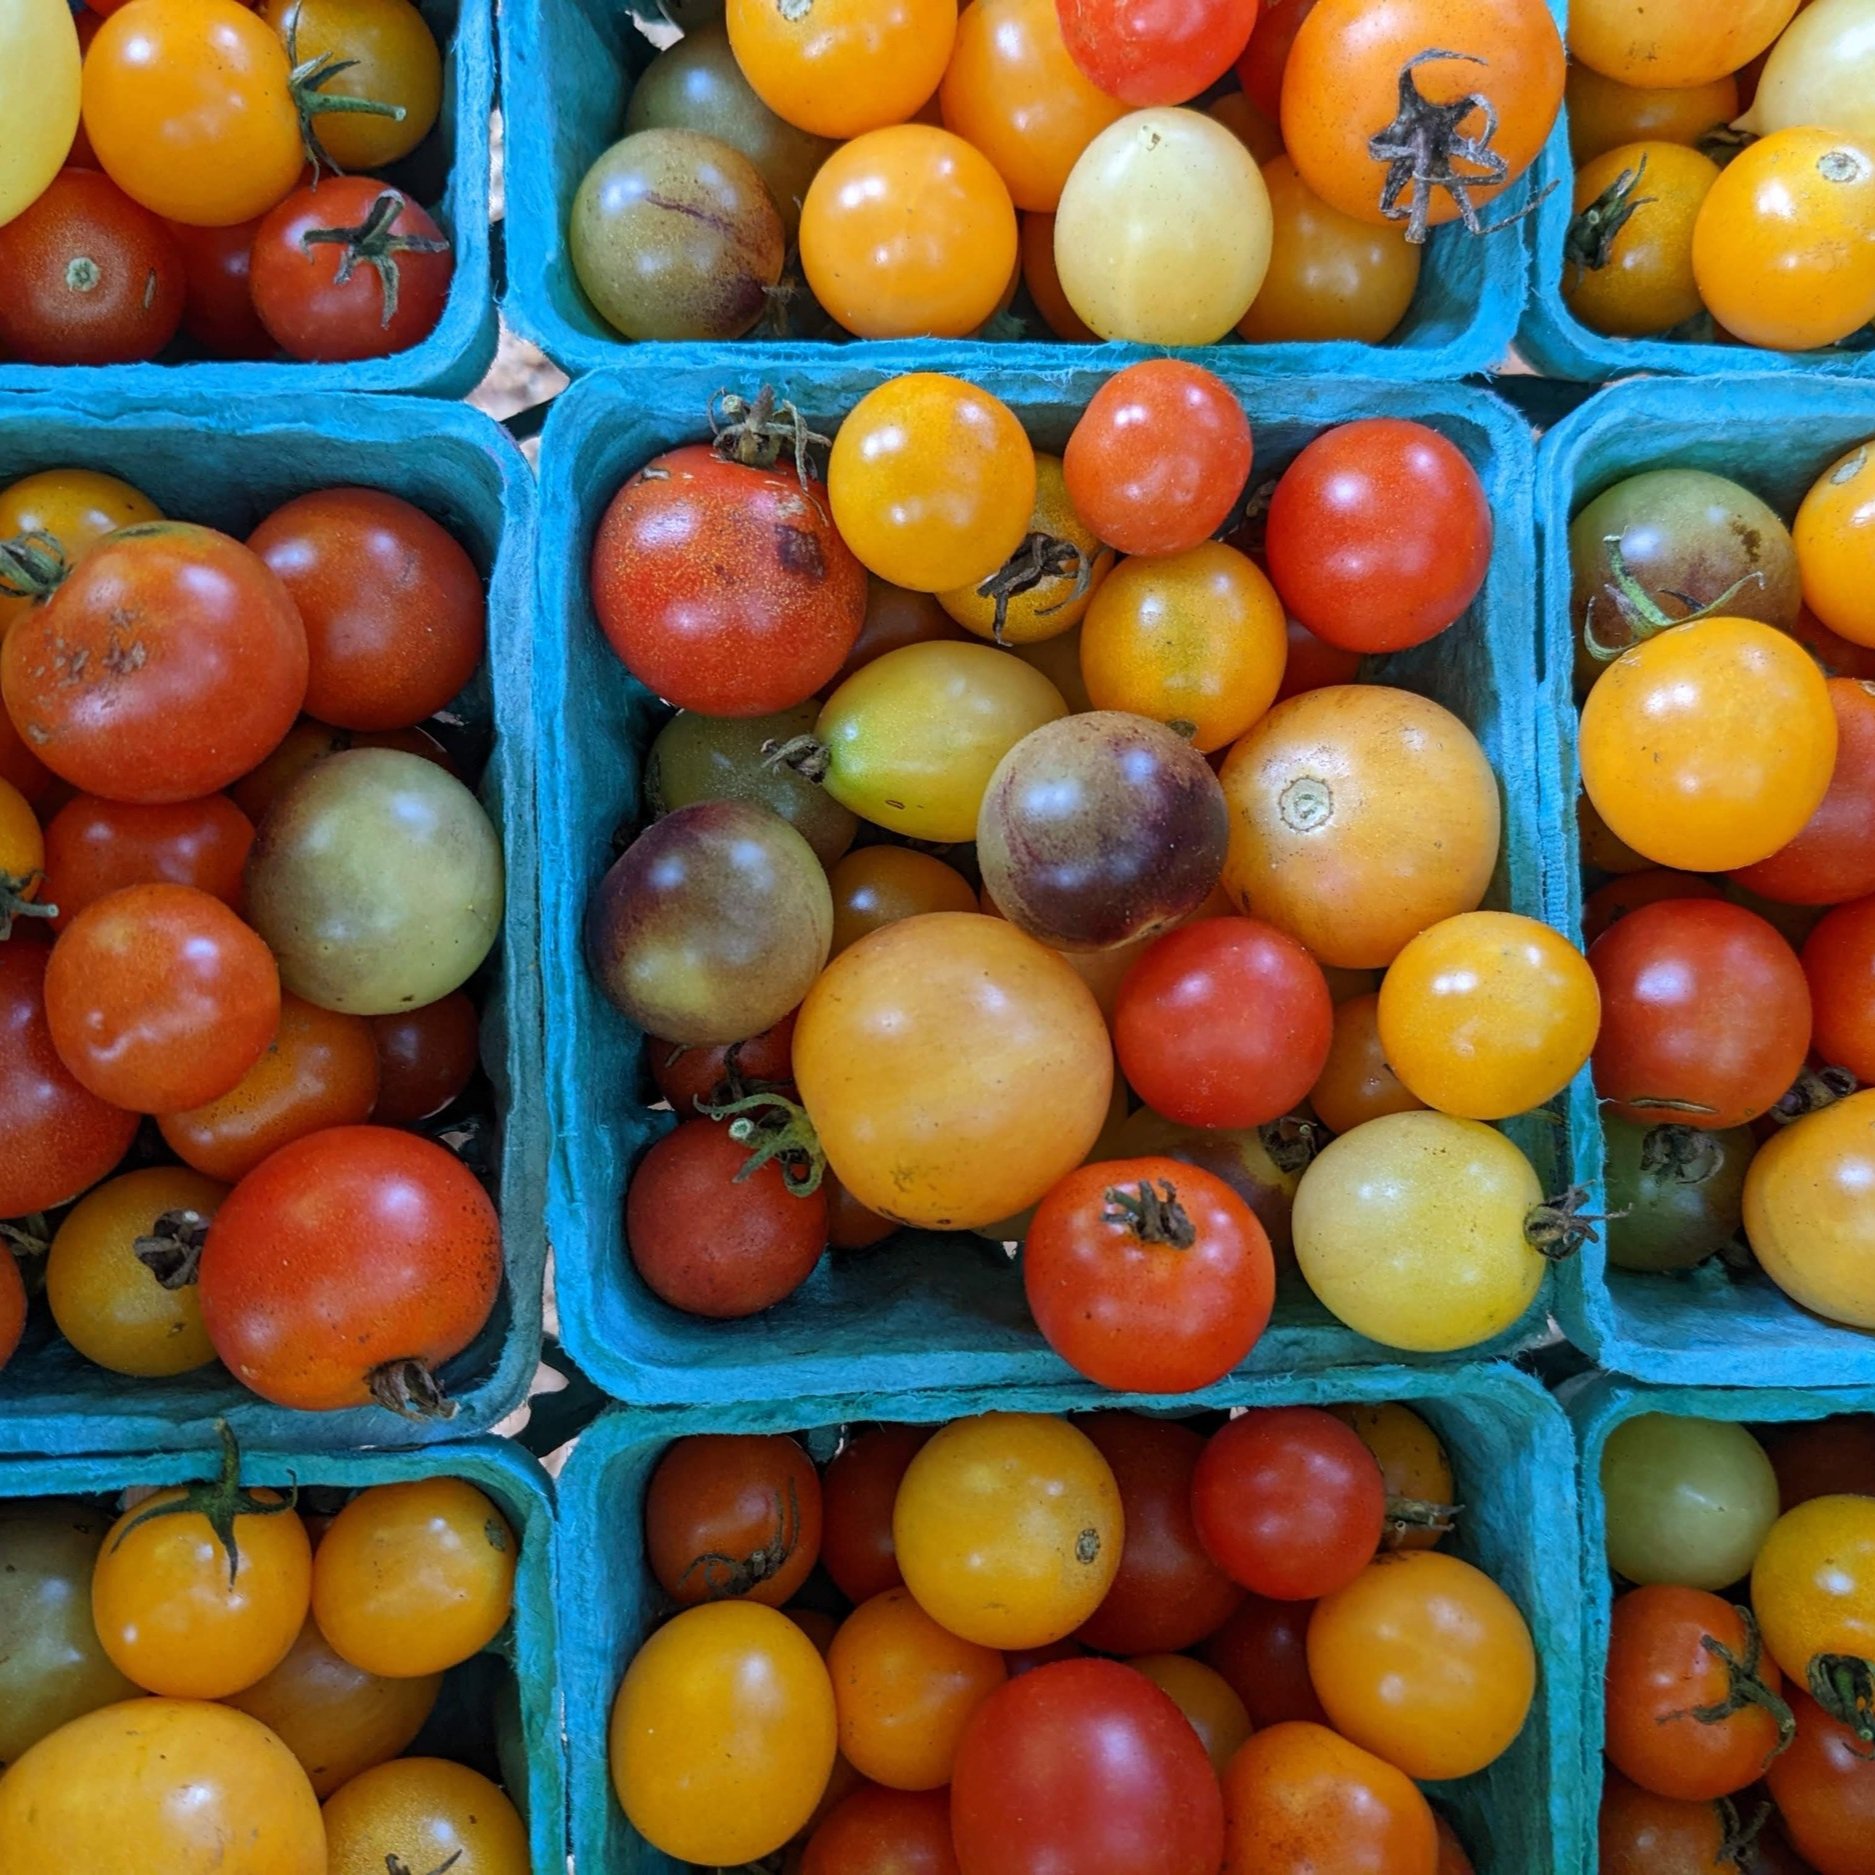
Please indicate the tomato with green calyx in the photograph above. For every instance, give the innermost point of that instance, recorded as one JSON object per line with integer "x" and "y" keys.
{"x": 1641, "y": 1834}
{"x": 1676, "y": 1194}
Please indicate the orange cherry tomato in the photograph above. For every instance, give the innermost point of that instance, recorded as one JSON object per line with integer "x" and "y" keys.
{"x": 1682, "y": 44}
{"x": 1356, "y": 1084}
{"x": 1604, "y": 113}
{"x": 1204, "y": 1696}
{"x": 1628, "y": 260}
{"x": 72, "y": 507}
{"x": 1041, "y": 277}
{"x": 879, "y": 885}
{"x": 839, "y": 68}
{"x": 1835, "y": 539}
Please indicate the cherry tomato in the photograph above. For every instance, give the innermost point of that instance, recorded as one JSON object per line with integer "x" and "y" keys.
{"x": 1452, "y": 1857}
{"x": 1039, "y": 275}
{"x": 1641, "y": 1834}
{"x": 1413, "y": 1466}
{"x": 391, "y": 59}
{"x": 1212, "y": 1709}
{"x": 1298, "y": 1799}
{"x": 1813, "y": 1590}
{"x": 217, "y": 308}
{"x": 1159, "y": 457}
{"x": 858, "y": 1492}
{"x": 308, "y": 742}
{"x": 1263, "y": 61}
{"x": 1262, "y": 1652}
{"x": 426, "y": 1058}
{"x": 75, "y": 508}
{"x": 1608, "y": 904}
{"x": 1677, "y": 45}
{"x": 884, "y": 1832}
{"x": 160, "y": 998}
{"x": 1356, "y": 1083}
{"x": 423, "y": 1813}
{"x": 932, "y": 482}
{"x": 1331, "y": 839}
{"x": 1256, "y": 130}
{"x": 723, "y": 1735}
{"x": 95, "y": 847}
{"x": 1835, "y": 537}
{"x": 1825, "y": 1791}
{"x": 1804, "y": 1212}
{"x": 349, "y": 269}
{"x": 39, "y": 100}
{"x": 12, "y": 1308}
{"x": 1604, "y": 113}
{"x": 880, "y": 885}
{"x": 1156, "y": 51}
{"x": 894, "y": 618}
{"x": 94, "y": 278}
{"x": 1818, "y": 72}
{"x": 729, "y": 1515}
{"x": 414, "y": 1578}
{"x": 1009, "y": 1529}
{"x": 1628, "y": 257}
{"x": 299, "y": 1315}
{"x": 690, "y": 1078}
{"x": 1689, "y": 1501}
{"x": 1830, "y": 860}
{"x": 1086, "y": 1765}
{"x": 1823, "y": 1458}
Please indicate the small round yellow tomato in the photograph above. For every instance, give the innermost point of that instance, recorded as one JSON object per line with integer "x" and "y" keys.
{"x": 1835, "y": 537}
{"x": 932, "y": 482}
{"x": 1813, "y": 1584}
{"x": 1163, "y": 233}
{"x": 1628, "y": 259}
{"x": 109, "y": 1304}
{"x": 1009, "y": 1529}
{"x": 723, "y": 1734}
{"x": 39, "y": 79}
{"x": 1679, "y": 43}
{"x": 954, "y": 1069}
{"x": 1204, "y": 1696}
{"x": 75, "y": 508}
{"x": 1261, "y": 136}
{"x": 1604, "y": 113}
{"x": 1415, "y": 1231}
{"x": 393, "y": 60}
{"x": 1012, "y": 91}
{"x": 1424, "y": 1661}
{"x": 1488, "y": 1014}
{"x": 1807, "y": 1210}
{"x": 1195, "y": 640}
{"x": 879, "y": 885}
{"x": 1709, "y": 746}
{"x": 22, "y": 857}
{"x": 1330, "y": 276}
{"x": 1784, "y": 248}
{"x": 1822, "y": 71}
{"x": 908, "y": 232}
{"x": 421, "y": 1814}
{"x": 839, "y": 68}
{"x": 1421, "y": 1492}
{"x": 1049, "y": 584}
{"x": 1356, "y": 1083}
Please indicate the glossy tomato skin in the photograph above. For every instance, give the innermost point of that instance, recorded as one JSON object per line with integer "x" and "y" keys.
{"x": 690, "y": 1077}
{"x": 426, "y": 1058}
{"x": 1609, "y": 904}
{"x": 1379, "y": 535}
{"x": 1641, "y": 1834}
{"x": 1148, "y": 1276}
{"x": 1813, "y": 1590}
{"x": 392, "y": 604}
{"x": 725, "y": 588}
{"x": 1156, "y": 51}
{"x": 317, "y": 310}
{"x": 1224, "y": 1023}
{"x": 345, "y": 1252}
{"x": 95, "y": 846}
{"x": 217, "y": 307}
{"x": 731, "y": 1515}
{"x": 92, "y": 278}
{"x": 857, "y": 1494}
{"x": 1825, "y": 1790}
{"x": 1168, "y": 1595}
{"x": 430, "y": 1808}
{"x": 1833, "y": 858}
{"x": 1087, "y": 1765}
{"x": 1260, "y": 67}
{"x": 168, "y": 664}
{"x": 875, "y": 1831}
{"x": 1262, "y": 1652}
{"x": 1839, "y": 963}
{"x": 1702, "y": 1003}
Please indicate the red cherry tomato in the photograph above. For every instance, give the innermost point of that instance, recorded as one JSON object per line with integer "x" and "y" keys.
{"x": 95, "y": 846}
{"x": 1148, "y": 1276}
{"x": 1315, "y": 664}
{"x": 12, "y": 1306}
{"x": 1084, "y": 1765}
{"x": 1265, "y": 58}
{"x": 1824, "y": 1787}
{"x": 1155, "y": 51}
{"x": 1609, "y": 904}
{"x": 1823, "y": 1458}
{"x": 1379, "y": 535}
{"x": 217, "y": 306}
{"x": 685, "y": 1076}
{"x": 884, "y": 1832}
{"x": 1158, "y": 458}
{"x": 426, "y": 1057}
{"x": 1263, "y": 1653}
{"x": 350, "y": 269}
{"x": 1289, "y": 1502}
{"x": 1224, "y": 1023}
{"x": 1168, "y": 1594}
{"x": 857, "y": 1495}
{"x": 1839, "y": 965}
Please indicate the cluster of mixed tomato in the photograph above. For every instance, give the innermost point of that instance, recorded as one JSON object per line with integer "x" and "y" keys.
{"x": 1728, "y": 758}
{"x": 1696, "y": 220}
{"x": 1739, "y": 1684}
{"x": 221, "y": 1668}
{"x": 922, "y": 163}
{"x": 251, "y": 925}
{"x": 1053, "y": 1640}
{"x": 187, "y": 178}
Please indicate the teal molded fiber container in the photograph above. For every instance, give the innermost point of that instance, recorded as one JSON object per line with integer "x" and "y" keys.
{"x": 500, "y": 1712}
{"x": 1775, "y": 435}
{"x": 201, "y": 458}
{"x": 567, "y": 68}
{"x": 924, "y": 1309}
{"x": 1561, "y": 346}
{"x": 447, "y": 174}
{"x": 1597, "y": 1405}
{"x": 1510, "y": 1449}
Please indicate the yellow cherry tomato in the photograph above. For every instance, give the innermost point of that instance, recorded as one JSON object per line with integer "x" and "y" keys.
{"x": 723, "y": 1734}
{"x": 1009, "y": 1529}
{"x": 1822, "y": 71}
{"x": 1673, "y": 42}
{"x": 1604, "y": 113}
{"x": 39, "y": 79}
{"x": 1709, "y": 746}
{"x": 1416, "y": 1230}
{"x": 22, "y": 858}
{"x": 414, "y": 1578}
{"x": 1835, "y": 538}
{"x": 1163, "y": 232}
{"x": 75, "y": 508}
{"x": 422, "y": 1814}
{"x": 393, "y": 60}
{"x": 1204, "y": 1696}
{"x": 1488, "y": 1014}
{"x": 1046, "y": 588}
{"x": 1813, "y": 1589}
{"x": 953, "y": 1068}
{"x": 111, "y": 1305}
{"x": 932, "y": 482}
{"x": 1421, "y": 1492}
{"x": 1807, "y": 1210}
{"x": 1784, "y": 248}
{"x": 1356, "y": 1083}
{"x": 1195, "y": 640}
{"x": 1628, "y": 258}
{"x": 1330, "y": 276}
{"x": 839, "y": 68}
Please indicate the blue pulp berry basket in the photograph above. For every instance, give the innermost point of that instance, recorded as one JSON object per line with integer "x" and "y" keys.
{"x": 1509, "y": 1442}
{"x": 448, "y": 173}
{"x": 1561, "y": 346}
{"x": 202, "y": 460}
{"x": 500, "y": 1712}
{"x": 566, "y": 72}
{"x": 1596, "y": 1406}
{"x": 923, "y": 1310}
{"x": 1775, "y": 435}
